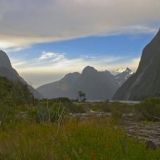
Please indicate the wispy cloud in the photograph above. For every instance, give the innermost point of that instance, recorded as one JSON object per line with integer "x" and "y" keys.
{"x": 51, "y": 57}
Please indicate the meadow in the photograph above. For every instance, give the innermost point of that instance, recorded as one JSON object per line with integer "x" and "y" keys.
{"x": 45, "y": 130}
{"x": 95, "y": 139}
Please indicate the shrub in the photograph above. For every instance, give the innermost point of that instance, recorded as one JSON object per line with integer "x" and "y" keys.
{"x": 15, "y": 93}
{"x": 7, "y": 114}
{"x": 149, "y": 109}
{"x": 50, "y": 112}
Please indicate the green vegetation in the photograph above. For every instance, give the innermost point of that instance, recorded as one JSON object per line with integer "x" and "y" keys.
{"x": 14, "y": 98}
{"x": 14, "y": 93}
{"x": 81, "y": 96}
{"x": 45, "y": 129}
{"x": 95, "y": 139}
{"x": 149, "y": 109}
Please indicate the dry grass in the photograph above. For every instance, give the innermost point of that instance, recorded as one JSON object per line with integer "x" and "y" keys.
{"x": 96, "y": 139}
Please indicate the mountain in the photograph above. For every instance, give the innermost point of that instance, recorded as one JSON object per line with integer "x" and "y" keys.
{"x": 123, "y": 76}
{"x": 7, "y": 71}
{"x": 146, "y": 81}
{"x": 96, "y": 85}
{"x": 13, "y": 93}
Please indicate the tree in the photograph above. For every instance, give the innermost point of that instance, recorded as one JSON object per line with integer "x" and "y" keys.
{"x": 81, "y": 96}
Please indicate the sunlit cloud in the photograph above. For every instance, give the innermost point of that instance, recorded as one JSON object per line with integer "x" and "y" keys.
{"x": 4, "y": 45}
{"x": 52, "y": 56}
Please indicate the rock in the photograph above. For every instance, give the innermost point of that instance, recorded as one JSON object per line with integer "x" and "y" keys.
{"x": 151, "y": 145}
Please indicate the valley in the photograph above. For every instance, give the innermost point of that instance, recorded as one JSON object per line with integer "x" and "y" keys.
{"x": 95, "y": 107}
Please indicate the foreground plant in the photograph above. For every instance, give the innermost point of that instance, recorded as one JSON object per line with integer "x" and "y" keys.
{"x": 98, "y": 139}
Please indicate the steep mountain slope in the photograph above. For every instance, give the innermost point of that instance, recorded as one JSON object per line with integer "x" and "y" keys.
{"x": 96, "y": 85}
{"x": 66, "y": 87}
{"x": 13, "y": 93}
{"x": 7, "y": 71}
{"x": 123, "y": 76}
{"x": 146, "y": 81}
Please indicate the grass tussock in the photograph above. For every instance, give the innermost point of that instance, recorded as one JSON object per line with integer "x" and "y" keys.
{"x": 98, "y": 139}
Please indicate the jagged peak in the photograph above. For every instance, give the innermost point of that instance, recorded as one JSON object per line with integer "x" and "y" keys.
{"x": 4, "y": 60}
{"x": 71, "y": 75}
{"x": 128, "y": 70}
{"x": 89, "y": 69}
{"x": 158, "y": 33}
{"x": 121, "y": 70}
{"x": 156, "y": 38}
{"x": 2, "y": 52}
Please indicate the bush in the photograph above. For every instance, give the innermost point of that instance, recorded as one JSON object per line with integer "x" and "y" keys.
{"x": 7, "y": 114}
{"x": 149, "y": 109}
{"x": 15, "y": 93}
{"x": 50, "y": 112}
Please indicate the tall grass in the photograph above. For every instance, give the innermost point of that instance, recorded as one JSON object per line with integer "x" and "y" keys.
{"x": 98, "y": 139}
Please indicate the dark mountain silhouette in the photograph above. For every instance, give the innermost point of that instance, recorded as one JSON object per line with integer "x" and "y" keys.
{"x": 96, "y": 85}
{"x": 7, "y": 71}
{"x": 146, "y": 81}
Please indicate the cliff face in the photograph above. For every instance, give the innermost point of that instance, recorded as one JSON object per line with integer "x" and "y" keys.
{"x": 7, "y": 71}
{"x": 146, "y": 81}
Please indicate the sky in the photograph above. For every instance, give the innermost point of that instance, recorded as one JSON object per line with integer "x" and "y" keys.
{"x": 47, "y": 39}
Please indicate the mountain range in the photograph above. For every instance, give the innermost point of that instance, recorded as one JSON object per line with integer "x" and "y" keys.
{"x": 95, "y": 84}
{"x": 146, "y": 81}
{"x": 100, "y": 85}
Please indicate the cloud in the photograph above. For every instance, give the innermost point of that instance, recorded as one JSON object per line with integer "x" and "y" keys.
{"x": 26, "y": 22}
{"x": 52, "y": 56}
{"x": 51, "y": 66}
{"x": 5, "y": 45}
